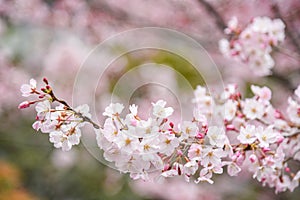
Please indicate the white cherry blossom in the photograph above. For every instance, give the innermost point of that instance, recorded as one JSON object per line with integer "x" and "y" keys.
{"x": 247, "y": 134}
{"x": 28, "y": 89}
{"x": 266, "y": 136}
{"x": 217, "y": 136}
{"x": 113, "y": 109}
{"x": 160, "y": 111}
{"x": 253, "y": 109}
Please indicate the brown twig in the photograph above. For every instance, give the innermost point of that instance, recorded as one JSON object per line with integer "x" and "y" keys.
{"x": 84, "y": 118}
{"x": 283, "y": 80}
{"x": 213, "y": 12}
{"x": 289, "y": 32}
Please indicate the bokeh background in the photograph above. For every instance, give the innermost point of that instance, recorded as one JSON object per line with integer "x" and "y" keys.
{"x": 51, "y": 38}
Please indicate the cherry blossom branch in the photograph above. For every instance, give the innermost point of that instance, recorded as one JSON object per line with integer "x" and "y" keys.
{"x": 289, "y": 32}
{"x": 213, "y": 12}
{"x": 84, "y": 118}
{"x": 136, "y": 146}
{"x": 283, "y": 80}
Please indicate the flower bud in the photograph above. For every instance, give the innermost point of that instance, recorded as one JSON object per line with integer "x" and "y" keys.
{"x": 253, "y": 158}
{"x": 24, "y": 104}
{"x": 280, "y": 138}
{"x": 287, "y": 169}
{"x": 45, "y": 81}
{"x": 230, "y": 127}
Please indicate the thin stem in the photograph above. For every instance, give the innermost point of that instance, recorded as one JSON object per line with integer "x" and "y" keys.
{"x": 289, "y": 32}
{"x": 213, "y": 12}
{"x": 84, "y": 118}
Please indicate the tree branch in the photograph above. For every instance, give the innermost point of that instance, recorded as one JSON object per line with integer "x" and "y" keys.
{"x": 289, "y": 32}
{"x": 214, "y": 13}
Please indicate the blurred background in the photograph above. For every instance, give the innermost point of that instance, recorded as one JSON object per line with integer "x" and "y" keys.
{"x": 51, "y": 38}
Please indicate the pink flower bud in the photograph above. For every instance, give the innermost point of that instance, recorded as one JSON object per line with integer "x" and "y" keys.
{"x": 24, "y": 104}
{"x": 230, "y": 127}
{"x": 253, "y": 158}
{"x": 233, "y": 157}
{"x": 166, "y": 167}
{"x": 278, "y": 114}
{"x": 287, "y": 169}
{"x": 266, "y": 149}
{"x": 240, "y": 115}
{"x": 179, "y": 153}
{"x": 133, "y": 122}
{"x": 280, "y": 139}
{"x": 45, "y": 81}
{"x": 200, "y": 135}
{"x": 240, "y": 159}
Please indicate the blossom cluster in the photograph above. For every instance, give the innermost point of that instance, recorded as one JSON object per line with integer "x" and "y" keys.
{"x": 62, "y": 123}
{"x": 135, "y": 145}
{"x": 253, "y": 135}
{"x": 253, "y": 44}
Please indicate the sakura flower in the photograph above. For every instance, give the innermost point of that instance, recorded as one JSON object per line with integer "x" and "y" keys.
{"x": 253, "y": 109}
{"x": 295, "y": 182}
{"x": 169, "y": 173}
{"x": 199, "y": 93}
{"x": 84, "y": 110}
{"x": 266, "y": 137}
{"x": 28, "y": 89}
{"x": 224, "y": 47}
{"x": 110, "y": 131}
{"x": 133, "y": 165}
{"x": 282, "y": 184}
{"x": 176, "y": 170}
{"x": 232, "y": 25}
{"x": 45, "y": 125}
{"x": 199, "y": 116}
{"x": 160, "y": 111}
{"x": 261, "y": 24}
{"x": 230, "y": 90}
{"x": 297, "y": 92}
{"x": 232, "y": 168}
{"x": 113, "y": 109}
{"x": 113, "y": 154}
{"x": 43, "y": 108}
{"x": 189, "y": 129}
{"x": 127, "y": 143}
{"x": 293, "y": 111}
{"x": 211, "y": 157}
{"x": 276, "y": 32}
{"x": 141, "y": 175}
{"x": 149, "y": 145}
{"x": 168, "y": 142}
{"x": 205, "y": 176}
{"x": 217, "y": 136}
{"x": 189, "y": 169}
{"x": 264, "y": 93}
{"x": 65, "y": 138}
{"x": 102, "y": 141}
{"x": 204, "y": 179}
{"x": 254, "y": 44}
{"x": 230, "y": 108}
{"x": 195, "y": 151}
{"x": 146, "y": 128}
{"x": 247, "y": 135}
{"x": 261, "y": 64}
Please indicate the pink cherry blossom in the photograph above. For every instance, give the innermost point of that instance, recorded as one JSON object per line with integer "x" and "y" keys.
{"x": 28, "y": 89}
